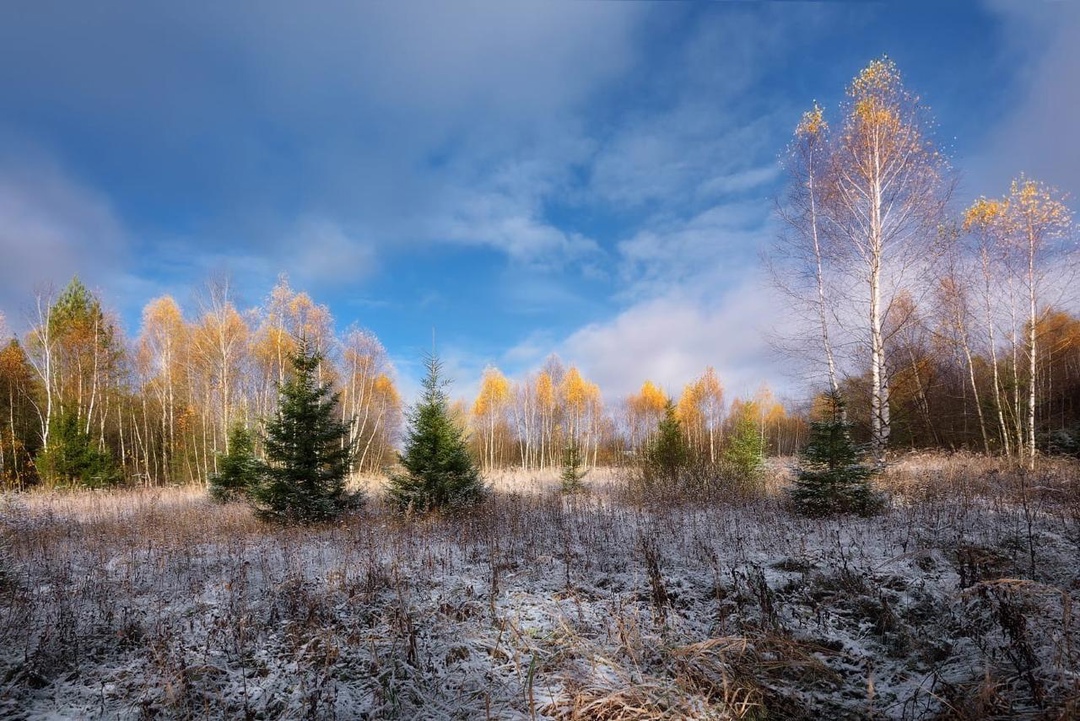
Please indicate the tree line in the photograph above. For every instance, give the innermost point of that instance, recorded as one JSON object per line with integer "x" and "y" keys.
{"x": 80, "y": 404}
{"x": 83, "y": 405}
{"x": 935, "y": 327}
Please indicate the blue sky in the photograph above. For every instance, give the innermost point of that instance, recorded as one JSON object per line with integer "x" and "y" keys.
{"x": 591, "y": 179}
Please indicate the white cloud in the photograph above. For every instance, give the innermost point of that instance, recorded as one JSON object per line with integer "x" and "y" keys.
{"x": 710, "y": 251}
{"x": 671, "y": 340}
{"x": 321, "y": 253}
{"x": 51, "y": 228}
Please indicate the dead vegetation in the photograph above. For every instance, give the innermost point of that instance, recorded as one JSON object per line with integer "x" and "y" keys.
{"x": 958, "y": 603}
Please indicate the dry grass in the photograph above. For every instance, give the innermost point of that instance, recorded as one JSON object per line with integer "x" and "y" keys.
{"x": 957, "y": 603}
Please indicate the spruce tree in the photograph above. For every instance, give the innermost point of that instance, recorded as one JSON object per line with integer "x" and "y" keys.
{"x": 438, "y": 472}
{"x": 830, "y": 478}
{"x": 668, "y": 454}
{"x": 307, "y": 450}
{"x": 239, "y": 471}
{"x": 572, "y": 475}
{"x": 74, "y": 459}
{"x": 744, "y": 457}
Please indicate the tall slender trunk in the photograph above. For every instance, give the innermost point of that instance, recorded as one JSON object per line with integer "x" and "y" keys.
{"x": 1031, "y": 353}
{"x": 975, "y": 393}
{"x": 820, "y": 276}
{"x": 999, "y": 402}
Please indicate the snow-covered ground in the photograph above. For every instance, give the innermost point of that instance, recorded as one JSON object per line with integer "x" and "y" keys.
{"x": 957, "y": 603}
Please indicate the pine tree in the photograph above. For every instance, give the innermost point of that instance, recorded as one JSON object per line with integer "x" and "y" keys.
{"x": 438, "y": 471}
{"x": 830, "y": 477}
{"x": 239, "y": 471}
{"x": 307, "y": 450}
{"x": 667, "y": 454}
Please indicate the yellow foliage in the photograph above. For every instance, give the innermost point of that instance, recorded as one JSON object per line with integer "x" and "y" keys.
{"x": 494, "y": 393}
{"x": 387, "y": 391}
{"x": 812, "y": 124}
{"x": 880, "y": 77}
{"x": 1029, "y": 215}
{"x": 545, "y": 391}
{"x": 983, "y": 213}
{"x": 649, "y": 401}
{"x": 578, "y": 393}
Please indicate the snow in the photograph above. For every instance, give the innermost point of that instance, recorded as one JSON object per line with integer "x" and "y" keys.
{"x": 160, "y": 603}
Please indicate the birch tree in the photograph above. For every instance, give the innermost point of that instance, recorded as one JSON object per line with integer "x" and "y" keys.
{"x": 884, "y": 203}
{"x": 1028, "y": 233}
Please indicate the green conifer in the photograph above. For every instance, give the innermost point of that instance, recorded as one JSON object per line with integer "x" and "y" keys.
{"x": 668, "y": 454}
{"x": 74, "y": 459}
{"x": 744, "y": 456}
{"x": 830, "y": 478}
{"x": 438, "y": 472}
{"x": 239, "y": 471}
{"x": 307, "y": 450}
{"x": 571, "y": 477}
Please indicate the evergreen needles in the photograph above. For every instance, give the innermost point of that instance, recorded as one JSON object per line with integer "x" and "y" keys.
{"x": 307, "y": 450}
{"x": 570, "y": 480}
{"x": 438, "y": 472}
{"x": 667, "y": 455}
{"x": 238, "y": 470}
{"x": 831, "y": 478}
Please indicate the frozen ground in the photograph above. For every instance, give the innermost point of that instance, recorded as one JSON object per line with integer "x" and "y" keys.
{"x": 958, "y": 603}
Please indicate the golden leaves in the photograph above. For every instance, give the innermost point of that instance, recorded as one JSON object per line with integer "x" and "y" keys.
{"x": 577, "y": 392}
{"x": 812, "y": 124}
{"x": 1030, "y": 215}
{"x": 983, "y": 213}
{"x": 386, "y": 391}
{"x": 650, "y": 401}
{"x": 1037, "y": 205}
{"x": 881, "y": 77}
{"x": 494, "y": 393}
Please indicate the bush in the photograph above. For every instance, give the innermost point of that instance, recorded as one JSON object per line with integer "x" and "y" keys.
{"x": 307, "y": 451}
{"x": 438, "y": 471}
{"x": 1063, "y": 442}
{"x": 239, "y": 471}
{"x": 830, "y": 478}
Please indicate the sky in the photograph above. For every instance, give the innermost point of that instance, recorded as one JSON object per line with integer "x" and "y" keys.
{"x": 592, "y": 179}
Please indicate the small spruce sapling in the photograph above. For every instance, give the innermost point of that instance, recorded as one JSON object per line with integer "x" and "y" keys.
{"x": 744, "y": 456}
{"x": 668, "y": 454}
{"x": 572, "y": 473}
{"x": 830, "y": 478}
{"x": 437, "y": 471}
{"x": 239, "y": 471}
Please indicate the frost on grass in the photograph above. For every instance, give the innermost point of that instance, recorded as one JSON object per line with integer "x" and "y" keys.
{"x": 957, "y": 603}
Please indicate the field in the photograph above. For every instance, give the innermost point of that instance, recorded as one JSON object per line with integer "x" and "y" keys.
{"x": 958, "y": 603}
